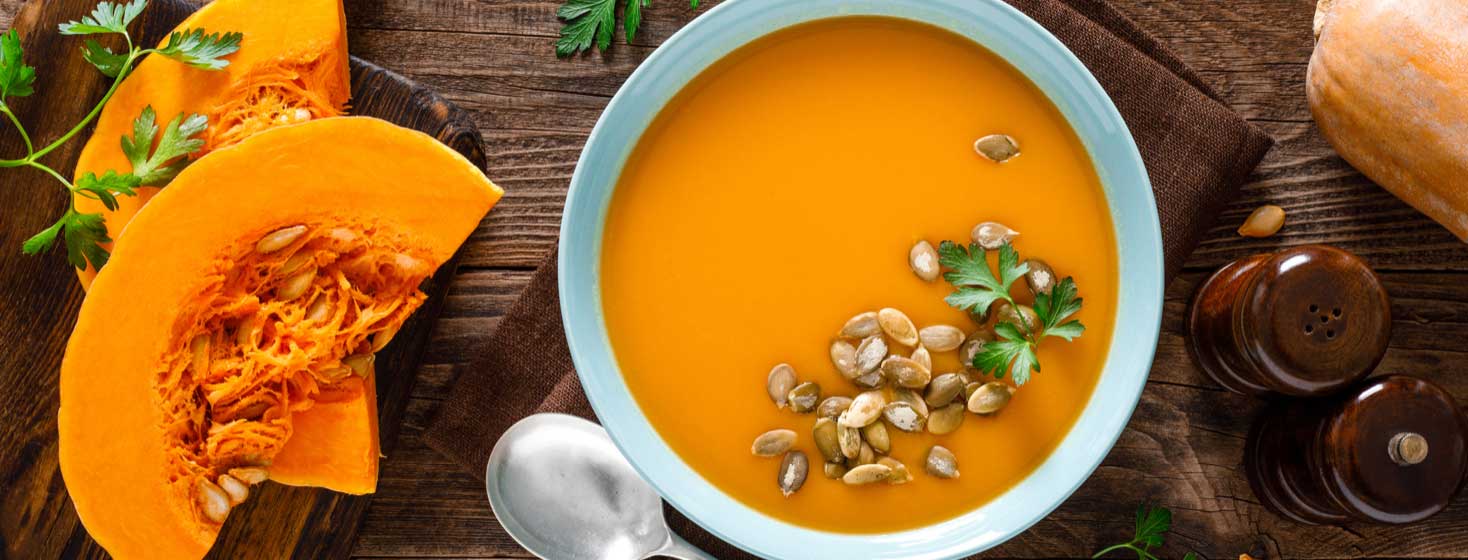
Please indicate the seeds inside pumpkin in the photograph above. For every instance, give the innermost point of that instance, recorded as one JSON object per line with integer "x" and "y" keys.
{"x": 296, "y": 286}
{"x": 279, "y": 239}
{"x": 237, "y": 490}
{"x": 213, "y": 502}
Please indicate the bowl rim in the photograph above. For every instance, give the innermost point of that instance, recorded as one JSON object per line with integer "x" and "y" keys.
{"x": 1067, "y": 83}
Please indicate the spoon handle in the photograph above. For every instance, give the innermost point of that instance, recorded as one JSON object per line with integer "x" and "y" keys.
{"x": 680, "y": 549}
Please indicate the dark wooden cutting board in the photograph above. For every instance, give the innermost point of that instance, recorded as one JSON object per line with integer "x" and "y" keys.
{"x": 39, "y": 298}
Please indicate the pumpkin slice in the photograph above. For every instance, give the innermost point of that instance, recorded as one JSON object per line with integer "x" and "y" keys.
{"x": 257, "y": 284}
{"x": 291, "y": 67}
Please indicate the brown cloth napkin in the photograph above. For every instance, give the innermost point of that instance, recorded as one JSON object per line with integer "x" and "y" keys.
{"x": 1197, "y": 152}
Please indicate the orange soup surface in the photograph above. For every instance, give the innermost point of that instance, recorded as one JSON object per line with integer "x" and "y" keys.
{"x": 779, "y": 194}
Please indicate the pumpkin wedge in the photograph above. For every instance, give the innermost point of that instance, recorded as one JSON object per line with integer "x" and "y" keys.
{"x": 258, "y": 283}
{"x": 291, "y": 67}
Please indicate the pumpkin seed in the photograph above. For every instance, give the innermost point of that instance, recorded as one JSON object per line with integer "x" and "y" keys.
{"x": 342, "y": 235}
{"x": 244, "y": 335}
{"x": 922, "y": 356}
{"x": 943, "y": 390}
{"x": 871, "y": 380}
{"x": 906, "y": 372}
{"x": 250, "y": 475}
{"x": 361, "y": 364}
{"x": 997, "y": 148}
{"x": 199, "y": 363}
{"x": 861, "y": 326}
{"x": 827, "y": 440}
{"x": 833, "y": 406}
{"x": 236, "y": 490}
{"x": 866, "y": 456}
{"x": 912, "y": 398}
{"x": 900, "y": 474}
{"x": 924, "y": 261}
{"x": 973, "y": 345}
{"x": 870, "y": 354}
{"x": 213, "y": 502}
{"x": 319, "y": 310}
{"x": 295, "y": 286}
{"x": 993, "y": 235}
{"x": 876, "y": 435}
{"x": 941, "y": 463}
{"x": 903, "y": 417}
{"x": 896, "y": 324}
{"x": 849, "y": 439}
{"x": 867, "y": 474}
{"x": 835, "y": 470}
{"x": 864, "y": 410}
{"x": 772, "y": 443}
{"x": 941, "y": 338}
{"x": 990, "y": 398}
{"x": 1022, "y": 316}
{"x": 969, "y": 389}
{"x": 803, "y": 397}
{"x": 843, "y": 356}
{"x": 1264, "y": 221}
{"x": 279, "y": 239}
{"x": 779, "y": 383}
{"x": 1041, "y": 278}
{"x": 946, "y": 419}
{"x": 793, "y": 469}
{"x": 384, "y": 336}
{"x": 298, "y": 260}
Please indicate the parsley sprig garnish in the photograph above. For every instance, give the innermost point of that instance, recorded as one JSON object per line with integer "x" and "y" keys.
{"x": 1152, "y": 523}
{"x": 155, "y": 158}
{"x": 589, "y": 21}
{"x": 977, "y": 289}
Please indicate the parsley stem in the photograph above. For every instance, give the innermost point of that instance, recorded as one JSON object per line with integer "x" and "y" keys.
{"x": 29, "y": 149}
{"x": 53, "y": 173}
{"x": 127, "y": 65}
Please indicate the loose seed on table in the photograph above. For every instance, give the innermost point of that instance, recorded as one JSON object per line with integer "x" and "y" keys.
{"x": 833, "y": 406}
{"x": 870, "y": 354}
{"x": 772, "y": 443}
{"x": 864, "y": 409}
{"x": 906, "y": 372}
{"x": 896, "y": 324}
{"x": 1041, "y": 278}
{"x": 867, "y": 474}
{"x": 804, "y": 397}
{"x": 922, "y": 356}
{"x": 900, "y": 474}
{"x": 827, "y": 440}
{"x": 279, "y": 239}
{"x": 835, "y": 470}
{"x": 941, "y": 338}
{"x": 876, "y": 435}
{"x": 992, "y": 235}
{"x": 861, "y": 326}
{"x": 793, "y": 469}
{"x": 990, "y": 398}
{"x": 779, "y": 383}
{"x": 943, "y": 389}
{"x": 903, "y": 417}
{"x": 997, "y": 148}
{"x": 912, "y": 398}
{"x": 941, "y": 463}
{"x": 850, "y": 440}
{"x": 843, "y": 356}
{"x": 1264, "y": 221}
{"x": 213, "y": 502}
{"x": 946, "y": 419}
{"x": 924, "y": 261}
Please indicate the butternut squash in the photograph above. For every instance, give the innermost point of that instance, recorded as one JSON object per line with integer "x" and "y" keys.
{"x": 256, "y": 286}
{"x": 1388, "y": 88}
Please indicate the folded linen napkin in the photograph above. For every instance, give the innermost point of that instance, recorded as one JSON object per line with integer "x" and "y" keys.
{"x": 1197, "y": 152}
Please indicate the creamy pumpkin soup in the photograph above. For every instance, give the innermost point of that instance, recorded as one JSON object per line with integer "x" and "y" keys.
{"x": 803, "y": 187}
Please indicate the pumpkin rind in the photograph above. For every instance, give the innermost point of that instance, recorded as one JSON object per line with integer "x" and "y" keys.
{"x": 115, "y": 456}
{"x": 1386, "y": 85}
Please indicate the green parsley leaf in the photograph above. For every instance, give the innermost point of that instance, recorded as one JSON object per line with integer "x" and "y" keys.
{"x": 107, "y": 187}
{"x": 632, "y": 17}
{"x": 1152, "y": 523}
{"x": 201, "y": 50}
{"x": 977, "y": 287}
{"x": 1057, "y": 306}
{"x": 174, "y": 145}
{"x": 110, "y": 63}
{"x": 589, "y": 21}
{"x": 16, "y": 78}
{"x": 84, "y": 235}
{"x": 107, "y": 17}
{"x": 1012, "y": 353}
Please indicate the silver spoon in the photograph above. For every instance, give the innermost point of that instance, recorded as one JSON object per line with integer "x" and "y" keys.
{"x": 564, "y": 492}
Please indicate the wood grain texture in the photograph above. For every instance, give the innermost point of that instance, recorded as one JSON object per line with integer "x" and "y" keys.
{"x": 1182, "y": 447}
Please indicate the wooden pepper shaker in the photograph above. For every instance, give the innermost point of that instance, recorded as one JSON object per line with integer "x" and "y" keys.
{"x": 1305, "y": 321}
{"x": 1392, "y": 449}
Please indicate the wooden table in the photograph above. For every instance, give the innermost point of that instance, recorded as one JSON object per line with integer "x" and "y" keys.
{"x": 1184, "y": 444}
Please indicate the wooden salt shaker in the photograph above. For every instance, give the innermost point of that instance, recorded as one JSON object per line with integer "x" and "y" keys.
{"x": 1392, "y": 449}
{"x": 1305, "y": 321}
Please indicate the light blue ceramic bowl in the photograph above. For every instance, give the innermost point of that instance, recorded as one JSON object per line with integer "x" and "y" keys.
{"x": 1070, "y": 87}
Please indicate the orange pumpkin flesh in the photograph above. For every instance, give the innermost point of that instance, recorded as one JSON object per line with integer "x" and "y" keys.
{"x": 148, "y": 415}
{"x": 291, "y": 66}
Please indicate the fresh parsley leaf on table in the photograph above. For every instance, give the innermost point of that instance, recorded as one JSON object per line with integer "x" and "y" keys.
{"x": 1152, "y": 523}
{"x": 589, "y": 21}
{"x": 84, "y": 234}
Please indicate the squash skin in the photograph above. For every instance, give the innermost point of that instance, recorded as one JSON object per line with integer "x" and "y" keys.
{"x": 112, "y": 445}
{"x": 277, "y": 33}
{"x": 1387, "y": 89}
